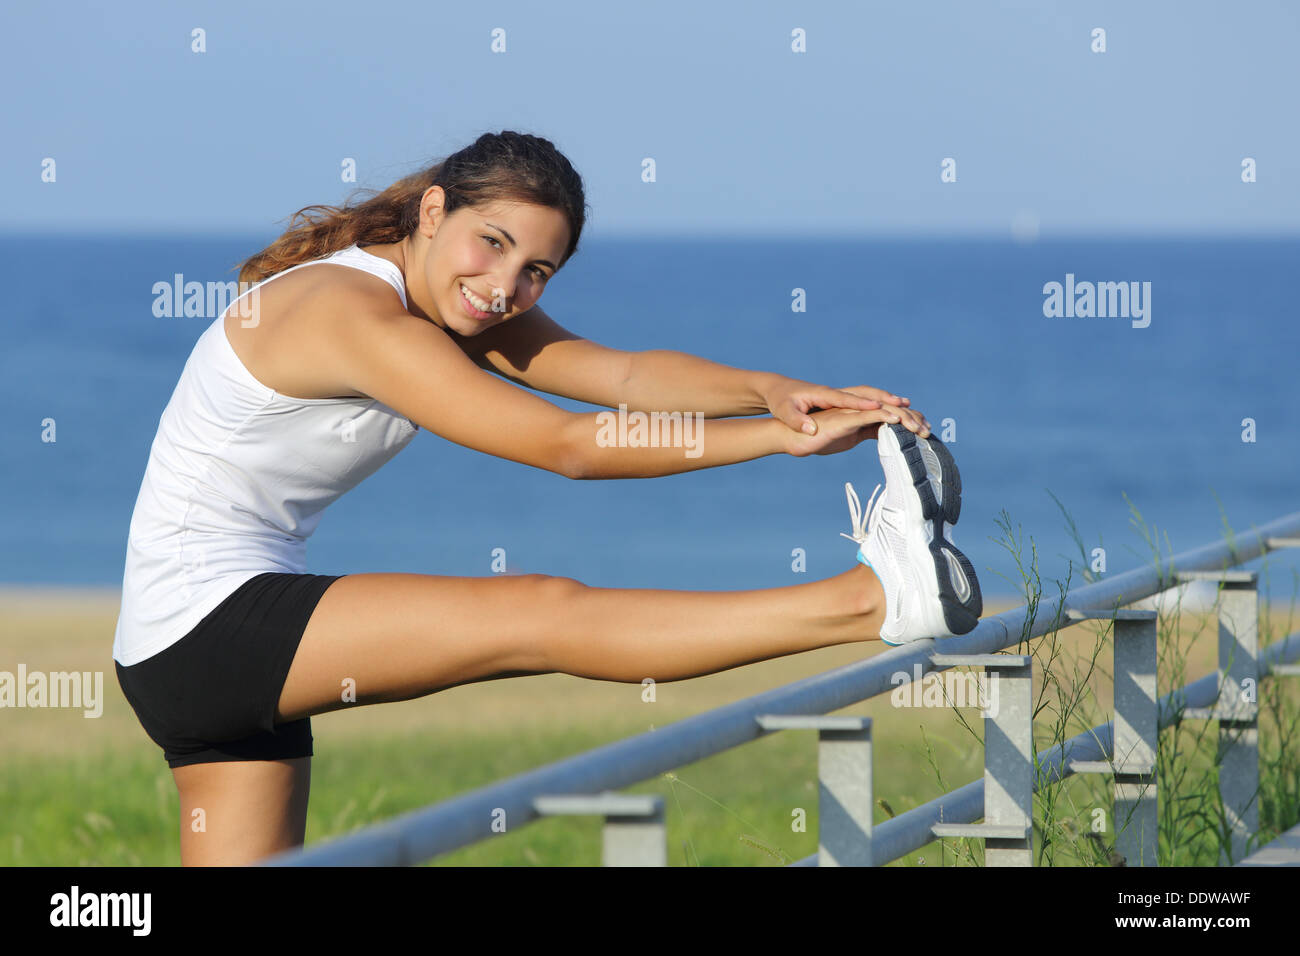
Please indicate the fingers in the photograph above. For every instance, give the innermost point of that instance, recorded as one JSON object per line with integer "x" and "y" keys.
{"x": 855, "y": 416}
{"x": 795, "y": 410}
{"x": 834, "y": 424}
{"x": 878, "y": 395}
{"x": 839, "y": 429}
{"x": 849, "y": 398}
{"x": 841, "y": 421}
{"x": 911, "y": 419}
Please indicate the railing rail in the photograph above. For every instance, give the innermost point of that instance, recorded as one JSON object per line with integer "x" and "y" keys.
{"x": 422, "y": 834}
{"x": 911, "y": 830}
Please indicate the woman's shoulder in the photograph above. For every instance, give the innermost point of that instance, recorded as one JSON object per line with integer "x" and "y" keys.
{"x": 287, "y": 330}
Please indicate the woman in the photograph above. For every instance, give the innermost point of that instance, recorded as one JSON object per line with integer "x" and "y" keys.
{"x": 225, "y": 646}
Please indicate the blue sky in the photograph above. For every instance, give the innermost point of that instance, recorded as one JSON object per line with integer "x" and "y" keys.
{"x": 748, "y": 137}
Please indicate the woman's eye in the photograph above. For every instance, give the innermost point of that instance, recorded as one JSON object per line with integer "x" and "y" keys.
{"x": 541, "y": 273}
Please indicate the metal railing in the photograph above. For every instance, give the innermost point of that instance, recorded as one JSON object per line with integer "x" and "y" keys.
{"x": 634, "y": 827}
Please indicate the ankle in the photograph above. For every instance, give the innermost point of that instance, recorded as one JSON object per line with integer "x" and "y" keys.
{"x": 868, "y": 591}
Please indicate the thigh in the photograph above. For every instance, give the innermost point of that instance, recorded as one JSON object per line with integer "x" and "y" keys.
{"x": 237, "y": 812}
{"x": 386, "y": 637}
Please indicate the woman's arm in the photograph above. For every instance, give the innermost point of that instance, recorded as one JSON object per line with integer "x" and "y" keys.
{"x": 411, "y": 366}
{"x": 676, "y": 381}
{"x": 534, "y": 350}
{"x": 602, "y": 448}
{"x": 603, "y": 445}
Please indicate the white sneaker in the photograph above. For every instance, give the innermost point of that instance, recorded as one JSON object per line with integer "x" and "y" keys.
{"x": 930, "y": 586}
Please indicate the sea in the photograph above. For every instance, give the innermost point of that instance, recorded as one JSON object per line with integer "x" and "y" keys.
{"x": 1083, "y": 439}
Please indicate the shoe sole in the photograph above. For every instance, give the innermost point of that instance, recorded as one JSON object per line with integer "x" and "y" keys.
{"x": 951, "y": 567}
{"x": 922, "y": 456}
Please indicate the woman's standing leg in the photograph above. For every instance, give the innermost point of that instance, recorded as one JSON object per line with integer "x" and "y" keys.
{"x": 236, "y": 812}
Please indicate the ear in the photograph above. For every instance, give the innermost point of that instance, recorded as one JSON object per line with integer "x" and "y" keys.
{"x": 431, "y": 210}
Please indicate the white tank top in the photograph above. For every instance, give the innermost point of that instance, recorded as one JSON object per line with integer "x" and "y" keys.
{"x": 237, "y": 478}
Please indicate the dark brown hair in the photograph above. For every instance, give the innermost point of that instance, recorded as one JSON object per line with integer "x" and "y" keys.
{"x": 507, "y": 166}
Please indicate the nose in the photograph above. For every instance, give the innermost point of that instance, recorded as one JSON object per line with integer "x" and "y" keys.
{"x": 508, "y": 286}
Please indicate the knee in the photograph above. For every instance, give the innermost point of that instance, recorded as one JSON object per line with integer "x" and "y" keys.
{"x": 554, "y": 589}
{"x": 553, "y": 612}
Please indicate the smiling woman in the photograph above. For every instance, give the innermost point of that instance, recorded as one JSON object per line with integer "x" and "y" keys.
{"x": 374, "y": 320}
{"x": 517, "y": 186}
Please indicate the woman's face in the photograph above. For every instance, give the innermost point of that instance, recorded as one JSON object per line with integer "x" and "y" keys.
{"x": 503, "y": 254}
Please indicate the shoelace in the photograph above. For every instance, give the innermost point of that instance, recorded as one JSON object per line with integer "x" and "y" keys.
{"x": 859, "y": 518}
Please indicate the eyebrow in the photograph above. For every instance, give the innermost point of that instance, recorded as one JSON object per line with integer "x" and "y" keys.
{"x": 545, "y": 262}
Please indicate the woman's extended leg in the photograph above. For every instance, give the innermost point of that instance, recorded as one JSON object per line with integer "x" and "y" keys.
{"x": 388, "y": 637}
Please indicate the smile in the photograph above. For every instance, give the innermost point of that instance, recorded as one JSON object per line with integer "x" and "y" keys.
{"x": 475, "y": 306}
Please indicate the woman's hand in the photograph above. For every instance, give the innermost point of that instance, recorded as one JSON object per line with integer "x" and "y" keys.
{"x": 839, "y": 429}
{"x": 790, "y": 400}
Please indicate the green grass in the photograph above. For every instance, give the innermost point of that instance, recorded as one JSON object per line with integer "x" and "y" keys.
{"x": 734, "y": 809}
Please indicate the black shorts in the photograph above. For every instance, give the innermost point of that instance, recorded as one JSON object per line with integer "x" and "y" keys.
{"x": 212, "y": 695}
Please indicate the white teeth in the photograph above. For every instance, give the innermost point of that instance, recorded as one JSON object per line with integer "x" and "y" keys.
{"x": 476, "y": 301}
